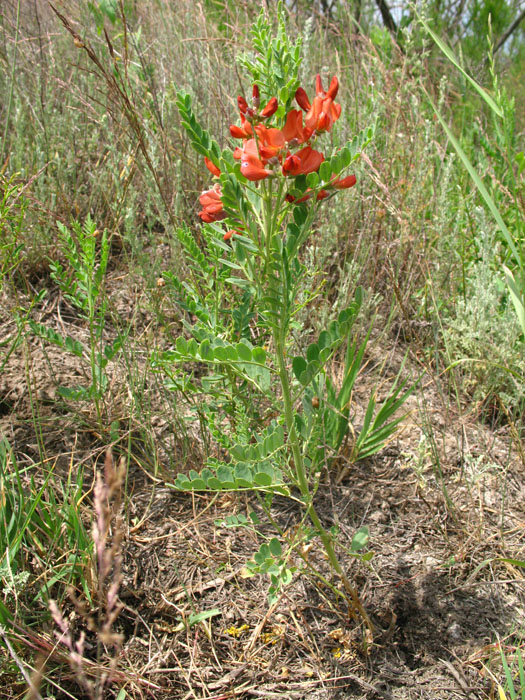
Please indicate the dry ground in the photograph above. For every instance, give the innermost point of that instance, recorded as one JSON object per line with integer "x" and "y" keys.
{"x": 438, "y": 612}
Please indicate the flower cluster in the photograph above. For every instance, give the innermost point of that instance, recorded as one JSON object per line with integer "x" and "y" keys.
{"x": 268, "y": 151}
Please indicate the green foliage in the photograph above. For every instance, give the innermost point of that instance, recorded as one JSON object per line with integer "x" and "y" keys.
{"x": 514, "y": 671}
{"x": 269, "y": 560}
{"x": 485, "y": 15}
{"x": 489, "y": 350}
{"x": 102, "y": 10}
{"x": 326, "y": 418}
{"x": 512, "y": 236}
{"x": 318, "y": 353}
{"x": 13, "y": 207}
{"x": 12, "y": 212}
{"x": 234, "y": 476}
{"x": 82, "y": 284}
{"x": 40, "y": 521}
{"x": 275, "y": 65}
{"x": 200, "y": 138}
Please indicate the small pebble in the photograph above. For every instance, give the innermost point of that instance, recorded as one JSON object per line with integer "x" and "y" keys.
{"x": 454, "y": 632}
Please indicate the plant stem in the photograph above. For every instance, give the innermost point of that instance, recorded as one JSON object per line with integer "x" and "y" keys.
{"x": 95, "y": 373}
{"x": 302, "y": 482}
{"x": 299, "y": 476}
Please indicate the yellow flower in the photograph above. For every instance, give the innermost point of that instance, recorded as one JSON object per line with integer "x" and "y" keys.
{"x": 237, "y": 631}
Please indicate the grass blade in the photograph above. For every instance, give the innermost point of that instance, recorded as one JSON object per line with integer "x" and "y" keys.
{"x": 448, "y": 53}
{"x": 479, "y": 184}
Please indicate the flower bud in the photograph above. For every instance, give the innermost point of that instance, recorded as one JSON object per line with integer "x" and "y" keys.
{"x": 334, "y": 87}
{"x": 302, "y": 99}
{"x": 270, "y": 108}
{"x": 243, "y": 105}
{"x": 256, "y": 101}
{"x": 214, "y": 170}
{"x": 345, "y": 182}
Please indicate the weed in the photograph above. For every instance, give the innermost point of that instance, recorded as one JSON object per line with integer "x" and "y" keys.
{"x": 107, "y": 539}
{"x": 83, "y": 286}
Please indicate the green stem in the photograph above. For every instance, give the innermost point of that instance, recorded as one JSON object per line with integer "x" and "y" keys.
{"x": 91, "y": 301}
{"x": 300, "y": 476}
{"x": 268, "y": 229}
{"x": 302, "y": 482}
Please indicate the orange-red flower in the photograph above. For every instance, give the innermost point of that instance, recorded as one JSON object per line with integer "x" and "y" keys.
{"x": 271, "y": 108}
{"x": 255, "y": 155}
{"x": 214, "y": 170}
{"x": 270, "y": 141}
{"x": 256, "y": 100}
{"x": 252, "y": 167}
{"x": 290, "y": 198}
{"x": 302, "y": 99}
{"x": 344, "y": 183}
{"x": 323, "y": 111}
{"x": 249, "y": 114}
{"x": 263, "y": 145}
{"x": 293, "y": 130}
{"x": 341, "y": 184}
{"x": 303, "y": 162}
{"x": 212, "y": 207}
{"x": 241, "y": 132}
{"x": 243, "y": 105}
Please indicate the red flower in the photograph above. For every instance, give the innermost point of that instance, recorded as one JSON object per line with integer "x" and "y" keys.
{"x": 249, "y": 114}
{"x": 303, "y": 162}
{"x": 293, "y": 130}
{"x": 243, "y": 105}
{"x": 322, "y": 194}
{"x": 255, "y": 96}
{"x": 241, "y": 132}
{"x": 302, "y": 99}
{"x": 214, "y": 170}
{"x": 345, "y": 183}
{"x": 290, "y": 198}
{"x": 253, "y": 160}
{"x": 212, "y": 208}
{"x": 253, "y": 168}
{"x": 270, "y": 141}
{"x": 332, "y": 90}
{"x": 323, "y": 112}
{"x": 271, "y": 108}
